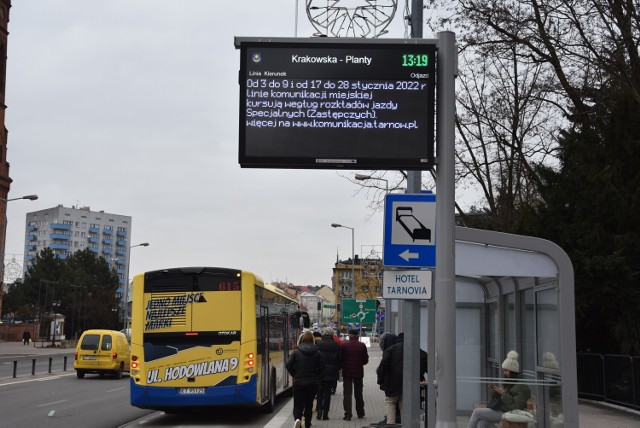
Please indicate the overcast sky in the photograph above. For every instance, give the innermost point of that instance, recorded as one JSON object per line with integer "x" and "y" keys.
{"x": 131, "y": 107}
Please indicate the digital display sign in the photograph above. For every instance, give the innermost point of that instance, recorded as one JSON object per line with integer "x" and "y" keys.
{"x": 343, "y": 104}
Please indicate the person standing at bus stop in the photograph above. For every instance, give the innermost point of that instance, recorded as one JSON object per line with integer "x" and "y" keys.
{"x": 306, "y": 366}
{"x": 354, "y": 358}
{"x": 332, "y": 357}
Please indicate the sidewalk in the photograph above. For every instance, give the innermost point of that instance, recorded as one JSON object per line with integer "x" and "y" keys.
{"x": 374, "y": 407}
{"x": 12, "y": 349}
{"x": 591, "y": 414}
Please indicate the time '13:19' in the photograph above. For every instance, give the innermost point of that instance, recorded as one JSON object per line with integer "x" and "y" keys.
{"x": 415, "y": 60}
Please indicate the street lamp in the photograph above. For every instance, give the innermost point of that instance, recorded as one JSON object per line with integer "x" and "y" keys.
{"x": 362, "y": 177}
{"x": 4, "y": 238}
{"x": 126, "y": 287}
{"x": 353, "y": 263}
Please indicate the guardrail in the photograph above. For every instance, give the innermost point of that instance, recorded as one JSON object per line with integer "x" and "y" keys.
{"x": 53, "y": 361}
{"x": 611, "y": 378}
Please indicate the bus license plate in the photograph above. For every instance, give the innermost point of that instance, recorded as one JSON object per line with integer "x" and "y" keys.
{"x": 89, "y": 357}
{"x": 190, "y": 391}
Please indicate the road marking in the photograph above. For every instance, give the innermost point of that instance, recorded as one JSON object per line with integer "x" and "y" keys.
{"x": 36, "y": 380}
{"x": 50, "y": 404}
{"x": 283, "y": 416}
{"x": 118, "y": 389}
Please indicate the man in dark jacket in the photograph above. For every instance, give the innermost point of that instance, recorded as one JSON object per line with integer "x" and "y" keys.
{"x": 354, "y": 358}
{"x": 332, "y": 357}
{"x": 306, "y": 366}
{"x": 390, "y": 372}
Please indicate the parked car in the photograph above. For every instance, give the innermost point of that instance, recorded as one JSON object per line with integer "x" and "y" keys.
{"x": 102, "y": 352}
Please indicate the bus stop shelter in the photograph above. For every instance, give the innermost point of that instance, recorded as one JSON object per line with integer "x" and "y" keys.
{"x": 512, "y": 293}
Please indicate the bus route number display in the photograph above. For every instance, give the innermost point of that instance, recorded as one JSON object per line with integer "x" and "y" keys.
{"x": 337, "y": 105}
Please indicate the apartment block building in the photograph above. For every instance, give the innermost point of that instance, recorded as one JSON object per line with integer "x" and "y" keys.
{"x": 67, "y": 230}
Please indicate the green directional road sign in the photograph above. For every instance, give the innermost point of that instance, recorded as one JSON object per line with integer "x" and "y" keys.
{"x": 358, "y": 310}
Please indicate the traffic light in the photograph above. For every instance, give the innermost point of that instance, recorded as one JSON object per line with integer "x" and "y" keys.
{"x": 319, "y": 305}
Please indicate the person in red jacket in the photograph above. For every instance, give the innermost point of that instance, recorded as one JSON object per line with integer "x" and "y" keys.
{"x": 354, "y": 358}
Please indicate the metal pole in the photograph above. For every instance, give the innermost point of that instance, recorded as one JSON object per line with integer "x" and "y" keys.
{"x": 353, "y": 264}
{"x": 410, "y": 309}
{"x": 445, "y": 284}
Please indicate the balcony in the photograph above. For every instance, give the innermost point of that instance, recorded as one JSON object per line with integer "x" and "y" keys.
{"x": 59, "y": 236}
{"x": 59, "y": 246}
{"x": 107, "y": 241}
{"x": 94, "y": 229}
{"x": 121, "y": 271}
{"x": 30, "y": 247}
{"x": 93, "y": 240}
{"x": 122, "y": 233}
{"x": 92, "y": 248}
{"x": 107, "y": 232}
{"x": 121, "y": 252}
{"x": 32, "y": 238}
{"x": 31, "y": 228}
{"x": 62, "y": 256}
{"x": 120, "y": 261}
{"x": 121, "y": 243}
{"x": 106, "y": 251}
{"x": 60, "y": 226}
{"x": 29, "y": 257}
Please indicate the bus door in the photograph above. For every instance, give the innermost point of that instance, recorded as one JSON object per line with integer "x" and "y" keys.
{"x": 263, "y": 350}
{"x": 287, "y": 326}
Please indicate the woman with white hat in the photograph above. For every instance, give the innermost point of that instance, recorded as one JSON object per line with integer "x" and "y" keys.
{"x": 511, "y": 396}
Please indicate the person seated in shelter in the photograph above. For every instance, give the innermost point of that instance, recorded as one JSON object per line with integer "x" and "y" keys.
{"x": 512, "y": 395}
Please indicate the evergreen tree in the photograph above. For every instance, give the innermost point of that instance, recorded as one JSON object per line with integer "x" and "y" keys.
{"x": 590, "y": 210}
{"x": 82, "y": 287}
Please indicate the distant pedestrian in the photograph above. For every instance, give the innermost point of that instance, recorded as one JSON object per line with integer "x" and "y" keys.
{"x": 354, "y": 358}
{"x": 332, "y": 357}
{"x": 26, "y": 337}
{"x": 306, "y": 366}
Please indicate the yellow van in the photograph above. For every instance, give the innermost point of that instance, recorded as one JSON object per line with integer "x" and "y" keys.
{"x": 102, "y": 351}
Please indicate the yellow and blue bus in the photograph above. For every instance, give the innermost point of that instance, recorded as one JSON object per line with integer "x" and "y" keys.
{"x": 208, "y": 336}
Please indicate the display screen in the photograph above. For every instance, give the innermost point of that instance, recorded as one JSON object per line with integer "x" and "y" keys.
{"x": 351, "y": 105}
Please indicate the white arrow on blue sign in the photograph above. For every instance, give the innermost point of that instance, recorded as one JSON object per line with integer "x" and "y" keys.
{"x": 409, "y": 230}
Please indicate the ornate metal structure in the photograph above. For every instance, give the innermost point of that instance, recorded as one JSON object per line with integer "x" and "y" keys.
{"x": 351, "y": 18}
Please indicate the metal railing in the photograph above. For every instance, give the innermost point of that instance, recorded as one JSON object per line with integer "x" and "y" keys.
{"x": 611, "y": 378}
{"x": 25, "y": 365}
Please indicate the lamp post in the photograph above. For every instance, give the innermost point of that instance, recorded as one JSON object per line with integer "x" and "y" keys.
{"x": 362, "y": 177}
{"x": 353, "y": 264}
{"x": 126, "y": 287}
{"x": 4, "y": 238}
{"x": 74, "y": 327}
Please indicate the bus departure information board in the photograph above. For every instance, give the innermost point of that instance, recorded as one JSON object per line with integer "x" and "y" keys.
{"x": 351, "y": 105}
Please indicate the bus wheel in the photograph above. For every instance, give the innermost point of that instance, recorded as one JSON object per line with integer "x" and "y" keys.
{"x": 270, "y": 405}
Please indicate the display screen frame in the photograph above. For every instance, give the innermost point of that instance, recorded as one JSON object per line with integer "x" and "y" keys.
{"x": 270, "y": 61}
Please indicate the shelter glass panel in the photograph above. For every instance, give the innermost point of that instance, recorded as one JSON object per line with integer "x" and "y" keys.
{"x": 494, "y": 331}
{"x": 528, "y": 359}
{"x": 547, "y": 323}
{"x": 510, "y": 322}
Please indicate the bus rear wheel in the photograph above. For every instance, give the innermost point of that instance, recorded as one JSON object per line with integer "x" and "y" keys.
{"x": 270, "y": 405}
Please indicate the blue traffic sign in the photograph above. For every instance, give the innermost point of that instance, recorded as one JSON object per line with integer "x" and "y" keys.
{"x": 409, "y": 230}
